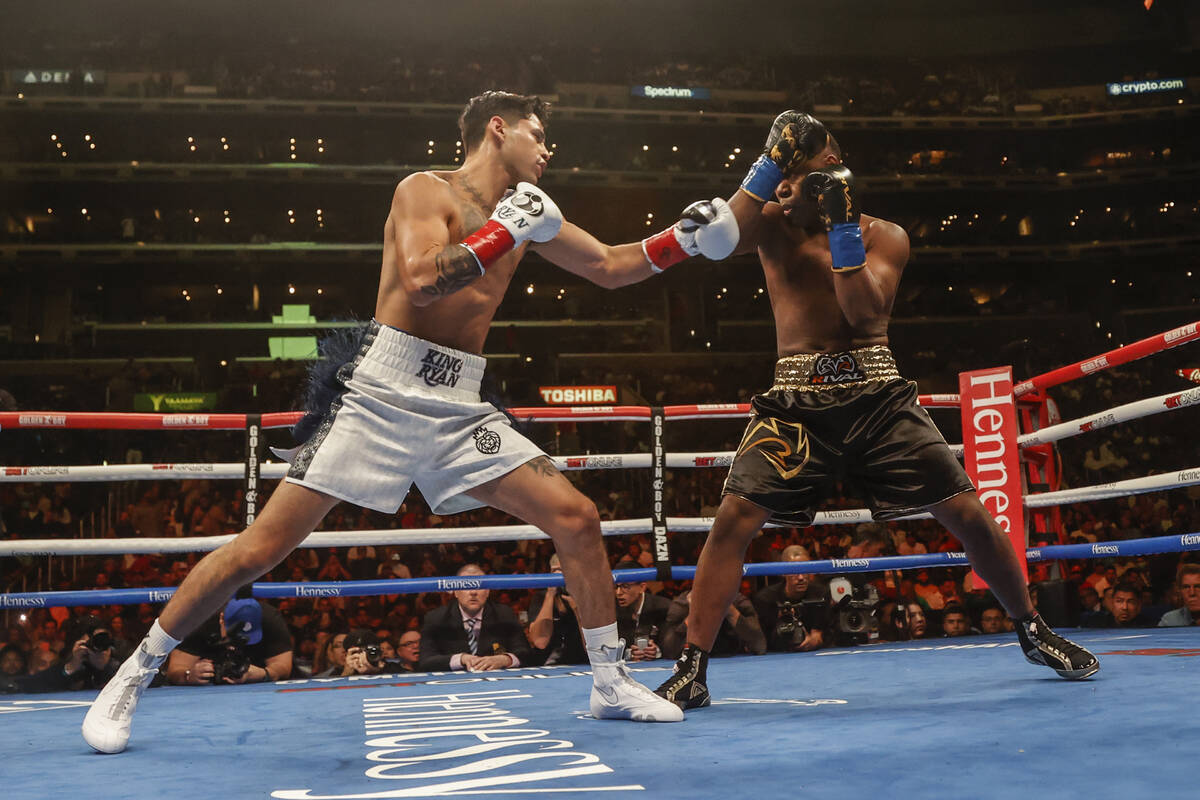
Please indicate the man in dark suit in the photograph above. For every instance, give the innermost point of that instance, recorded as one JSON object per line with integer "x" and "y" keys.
{"x": 641, "y": 615}
{"x": 470, "y": 633}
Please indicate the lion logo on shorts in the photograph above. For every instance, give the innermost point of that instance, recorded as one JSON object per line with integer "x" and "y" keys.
{"x": 486, "y": 442}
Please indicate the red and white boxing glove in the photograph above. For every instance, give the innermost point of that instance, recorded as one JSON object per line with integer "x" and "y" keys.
{"x": 527, "y": 214}
{"x": 706, "y": 227}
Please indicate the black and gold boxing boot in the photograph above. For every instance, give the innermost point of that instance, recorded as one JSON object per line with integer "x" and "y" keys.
{"x": 1043, "y": 646}
{"x": 688, "y": 687}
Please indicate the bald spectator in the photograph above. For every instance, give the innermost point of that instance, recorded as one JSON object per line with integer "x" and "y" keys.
{"x": 470, "y": 633}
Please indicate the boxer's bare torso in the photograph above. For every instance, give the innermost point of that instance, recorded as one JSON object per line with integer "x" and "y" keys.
{"x": 817, "y": 310}
{"x": 460, "y": 319}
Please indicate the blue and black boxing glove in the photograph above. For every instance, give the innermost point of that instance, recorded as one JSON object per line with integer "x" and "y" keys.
{"x": 795, "y": 137}
{"x": 833, "y": 190}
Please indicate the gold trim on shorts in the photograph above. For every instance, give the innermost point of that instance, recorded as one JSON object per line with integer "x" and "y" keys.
{"x": 822, "y": 372}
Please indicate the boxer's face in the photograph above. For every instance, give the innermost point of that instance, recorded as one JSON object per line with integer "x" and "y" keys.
{"x": 525, "y": 149}
{"x": 788, "y": 190}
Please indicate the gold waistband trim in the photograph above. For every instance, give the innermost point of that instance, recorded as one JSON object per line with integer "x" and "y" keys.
{"x": 821, "y": 372}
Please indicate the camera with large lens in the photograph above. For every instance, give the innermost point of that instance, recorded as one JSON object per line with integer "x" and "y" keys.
{"x": 99, "y": 641}
{"x": 789, "y": 625}
{"x": 228, "y": 656}
{"x": 369, "y": 645}
{"x": 857, "y": 619}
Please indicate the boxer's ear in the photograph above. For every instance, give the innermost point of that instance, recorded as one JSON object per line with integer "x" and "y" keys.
{"x": 497, "y": 127}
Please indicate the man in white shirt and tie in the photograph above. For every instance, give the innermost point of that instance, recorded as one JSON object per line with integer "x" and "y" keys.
{"x": 470, "y": 633}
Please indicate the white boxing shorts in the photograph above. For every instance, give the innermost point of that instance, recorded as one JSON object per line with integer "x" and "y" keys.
{"x": 411, "y": 413}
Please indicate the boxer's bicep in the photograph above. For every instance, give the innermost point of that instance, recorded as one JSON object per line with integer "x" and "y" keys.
{"x": 430, "y": 265}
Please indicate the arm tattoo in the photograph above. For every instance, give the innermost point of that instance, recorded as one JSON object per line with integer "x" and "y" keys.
{"x": 542, "y": 465}
{"x": 456, "y": 267}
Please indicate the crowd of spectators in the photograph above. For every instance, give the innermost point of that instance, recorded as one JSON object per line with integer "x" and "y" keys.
{"x": 326, "y": 68}
{"x": 58, "y": 648}
{"x": 953, "y": 224}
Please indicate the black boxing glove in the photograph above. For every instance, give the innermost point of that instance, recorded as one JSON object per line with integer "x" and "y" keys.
{"x": 833, "y": 190}
{"x": 795, "y": 137}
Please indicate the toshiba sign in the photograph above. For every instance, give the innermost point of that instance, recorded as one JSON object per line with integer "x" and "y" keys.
{"x": 570, "y": 395}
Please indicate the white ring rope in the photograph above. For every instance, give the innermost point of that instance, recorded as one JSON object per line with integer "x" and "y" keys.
{"x": 495, "y": 533}
{"x": 236, "y": 470}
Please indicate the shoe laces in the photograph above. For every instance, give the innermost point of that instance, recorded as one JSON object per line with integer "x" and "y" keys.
{"x": 682, "y": 677}
{"x": 1043, "y": 636}
{"x": 131, "y": 691}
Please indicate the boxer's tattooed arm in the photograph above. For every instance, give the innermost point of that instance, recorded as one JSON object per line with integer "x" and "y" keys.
{"x": 456, "y": 267}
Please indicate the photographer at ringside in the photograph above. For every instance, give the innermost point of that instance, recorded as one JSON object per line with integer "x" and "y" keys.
{"x": 247, "y": 642}
{"x": 365, "y": 655}
{"x": 794, "y": 612}
{"x": 87, "y": 663}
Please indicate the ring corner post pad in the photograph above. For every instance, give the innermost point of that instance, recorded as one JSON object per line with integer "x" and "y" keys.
{"x": 658, "y": 516}
{"x": 254, "y": 443}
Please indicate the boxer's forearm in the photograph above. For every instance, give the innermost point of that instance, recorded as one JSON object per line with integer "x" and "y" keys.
{"x": 860, "y": 295}
{"x": 582, "y": 254}
{"x": 439, "y": 273}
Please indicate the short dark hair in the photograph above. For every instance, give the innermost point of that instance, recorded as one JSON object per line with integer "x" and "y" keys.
{"x": 954, "y": 609}
{"x": 481, "y": 108}
{"x": 1128, "y": 588}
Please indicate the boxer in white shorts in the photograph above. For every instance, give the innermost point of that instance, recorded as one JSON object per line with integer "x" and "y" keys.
{"x": 408, "y": 408}
{"x": 410, "y": 413}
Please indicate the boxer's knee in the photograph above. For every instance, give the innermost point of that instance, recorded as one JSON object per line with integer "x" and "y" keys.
{"x": 576, "y": 518}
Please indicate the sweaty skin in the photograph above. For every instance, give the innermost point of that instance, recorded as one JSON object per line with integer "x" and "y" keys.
{"x": 457, "y": 319}
{"x": 818, "y": 311}
{"x": 429, "y": 285}
{"x": 815, "y": 310}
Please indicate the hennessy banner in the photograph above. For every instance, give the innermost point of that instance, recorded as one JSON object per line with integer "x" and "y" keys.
{"x": 989, "y": 423}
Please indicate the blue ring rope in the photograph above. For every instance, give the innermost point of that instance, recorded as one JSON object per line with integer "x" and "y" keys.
{"x": 103, "y": 597}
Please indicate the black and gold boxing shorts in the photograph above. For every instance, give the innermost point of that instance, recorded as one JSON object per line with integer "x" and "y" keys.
{"x": 842, "y": 417}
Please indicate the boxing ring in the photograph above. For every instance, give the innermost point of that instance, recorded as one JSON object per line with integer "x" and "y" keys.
{"x": 895, "y": 719}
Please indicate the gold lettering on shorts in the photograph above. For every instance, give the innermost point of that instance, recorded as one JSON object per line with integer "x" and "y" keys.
{"x": 776, "y": 446}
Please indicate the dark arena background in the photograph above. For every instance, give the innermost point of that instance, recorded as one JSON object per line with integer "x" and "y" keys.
{"x": 192, "y": 195}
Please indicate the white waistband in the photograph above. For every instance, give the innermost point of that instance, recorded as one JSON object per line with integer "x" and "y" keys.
{"x": 424, "y": 363}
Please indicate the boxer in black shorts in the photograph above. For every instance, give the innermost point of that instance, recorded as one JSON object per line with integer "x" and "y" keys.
{"x": 846, "y": 416}
{"x": 838, "y": 409}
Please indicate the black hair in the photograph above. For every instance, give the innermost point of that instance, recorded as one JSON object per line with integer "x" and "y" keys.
{"x": 481, "y": 108}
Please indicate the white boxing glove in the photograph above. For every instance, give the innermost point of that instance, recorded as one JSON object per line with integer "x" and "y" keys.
{"x": 527, "y": 214}
{"x": 706, "y": 227}
{"x": 713, "y": 226}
